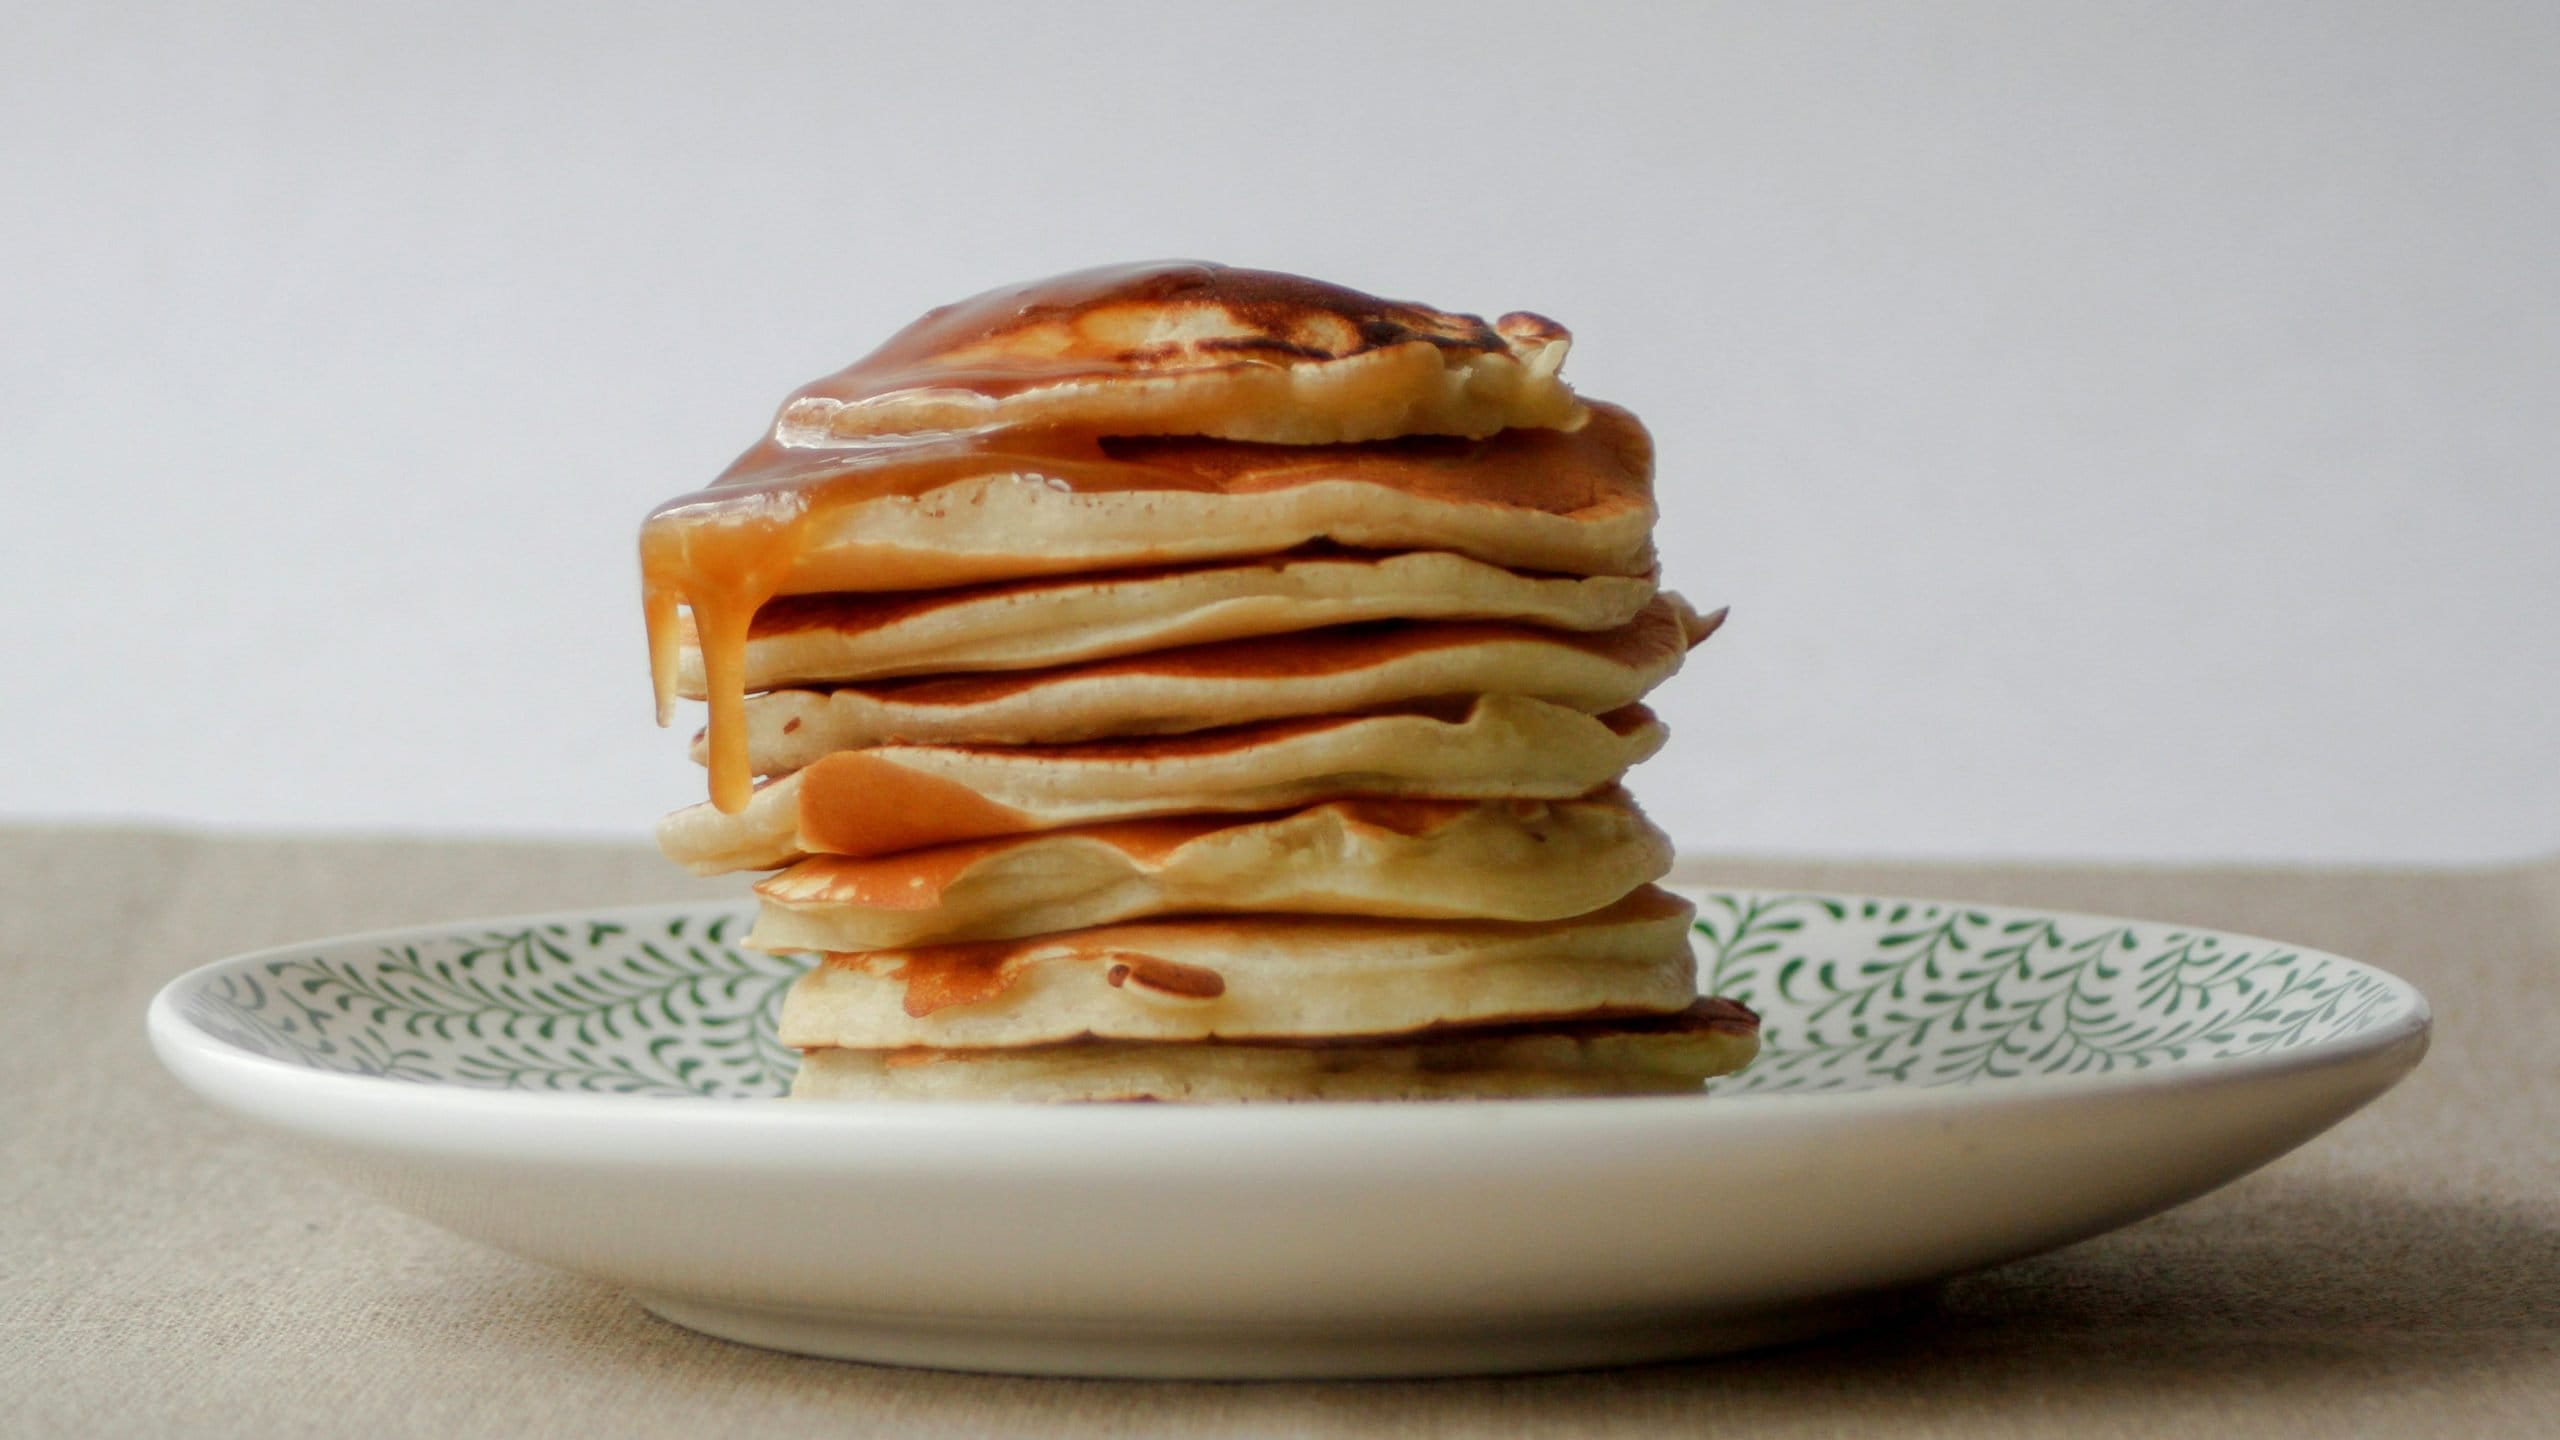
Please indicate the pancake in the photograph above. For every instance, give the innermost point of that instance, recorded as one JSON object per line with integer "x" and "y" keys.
{"x": 1186, "y": 348}
{"x": 1670, "y": 1054}
{"x": 803, "y": 639}
{"x": 1253, "y": 977}
{"x": 890, "y": 798}
{"x": 971, "y": 511}
{"x": 1338, "y": 671}
{"x": 1415, "y": 859}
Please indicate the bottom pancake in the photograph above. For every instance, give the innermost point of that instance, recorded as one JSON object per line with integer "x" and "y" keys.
{"x": 1667, "y": 1054}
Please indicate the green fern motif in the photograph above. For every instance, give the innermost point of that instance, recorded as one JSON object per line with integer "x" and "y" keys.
{"x": 674, "y": 1010}
{"x": 1915, "y": 993}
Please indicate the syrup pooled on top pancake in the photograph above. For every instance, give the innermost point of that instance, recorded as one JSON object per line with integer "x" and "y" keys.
{"x": 1187, "y": 348}
{"x": 1024, "y": 387}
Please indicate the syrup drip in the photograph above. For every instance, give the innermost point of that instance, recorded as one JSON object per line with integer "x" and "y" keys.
{"x": 723, "y": 552}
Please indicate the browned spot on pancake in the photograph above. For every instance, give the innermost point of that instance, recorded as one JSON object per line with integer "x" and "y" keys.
{"x": 1654, "y": 637}
{"x": 1170, "y": 977}
{"x": 1652, "y": 902}
{"x": 855, "y": 803}
{"x": 943, "y": 976}
{"x": 1715, "y": 1012}
{"x": 791, "y": 726}
{"x": 1628, "y": 719}
{"x": 938, "y": 977}
{"x": 1528, "y": 326}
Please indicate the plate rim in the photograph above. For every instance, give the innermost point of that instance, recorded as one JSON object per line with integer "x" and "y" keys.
{"x": 235, "y": 1078}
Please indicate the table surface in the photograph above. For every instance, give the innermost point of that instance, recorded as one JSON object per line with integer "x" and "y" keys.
{"x": 164, "y": 1270}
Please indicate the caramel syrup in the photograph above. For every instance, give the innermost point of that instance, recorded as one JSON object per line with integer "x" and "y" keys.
{"x": 722, "y": 552}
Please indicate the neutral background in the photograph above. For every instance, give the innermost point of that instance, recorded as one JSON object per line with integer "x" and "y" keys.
{"x": 2121, "y": 431}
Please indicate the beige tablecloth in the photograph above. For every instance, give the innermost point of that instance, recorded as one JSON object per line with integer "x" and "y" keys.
{"x": 164, "y": 1271}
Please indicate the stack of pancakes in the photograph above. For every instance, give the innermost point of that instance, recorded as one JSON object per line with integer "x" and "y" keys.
{"x": 1186, "y": 683}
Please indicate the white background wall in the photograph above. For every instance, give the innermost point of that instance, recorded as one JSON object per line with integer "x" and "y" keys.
{"x": 2121, "y": 431}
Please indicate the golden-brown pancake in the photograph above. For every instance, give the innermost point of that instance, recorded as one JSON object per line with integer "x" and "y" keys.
{"x": 819, "y": 638}
{"x": 1668, "y": 1054}
{"x": 1188, "y": 348}
{"x": 930, "y": 515}
{"x": 1414, "y": 859}
{"x": 1250, "y": 977}
{"x": 890, "y": 798}
{"x": 1344, "y": 670}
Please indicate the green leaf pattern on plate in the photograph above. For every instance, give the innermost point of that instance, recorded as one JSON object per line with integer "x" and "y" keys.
{"x": 1853, "y": 994}
{"x": 671, "y": 1009}
{"x": 1858, "y": 994}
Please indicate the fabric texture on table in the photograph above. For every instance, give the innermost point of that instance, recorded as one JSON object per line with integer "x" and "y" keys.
{"x": 165, "y": 1270}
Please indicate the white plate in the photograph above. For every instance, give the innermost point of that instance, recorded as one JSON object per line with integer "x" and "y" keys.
{"x": 1944, "y": 1087}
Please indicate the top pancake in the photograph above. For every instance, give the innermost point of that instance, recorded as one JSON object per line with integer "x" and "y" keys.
{"x": 1188, "y": 348}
